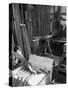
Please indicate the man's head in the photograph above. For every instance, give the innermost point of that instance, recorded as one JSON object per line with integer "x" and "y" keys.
{"x": 63, "y": 20}
{"x": 18, "y": 52}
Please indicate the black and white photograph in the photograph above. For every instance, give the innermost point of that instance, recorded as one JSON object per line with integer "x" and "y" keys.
{"x": 37, "y": 44}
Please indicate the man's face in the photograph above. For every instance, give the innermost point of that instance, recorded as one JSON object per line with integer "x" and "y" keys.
{"x": 63, "y": 22}
{"x": 19, "y": 54}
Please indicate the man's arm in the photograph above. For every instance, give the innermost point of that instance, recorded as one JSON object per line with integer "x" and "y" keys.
{"x": 32, "y": 70}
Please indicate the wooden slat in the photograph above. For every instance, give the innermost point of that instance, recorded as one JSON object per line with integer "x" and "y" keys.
{"x": 17, "y": 24}
{"x": 13, "y": 43}
{"x": 34, "y": 13}
{"x": 39, "y": 20}
{"x": 43, "y": 19}
{"x": 29, "y": 25}
{"x": 25, "y": 40}
{"x": 27, "y": 17}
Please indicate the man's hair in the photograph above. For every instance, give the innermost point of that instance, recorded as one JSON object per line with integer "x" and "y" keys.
{"x": 63, "y": 17}
{"x": 16, "y": 48}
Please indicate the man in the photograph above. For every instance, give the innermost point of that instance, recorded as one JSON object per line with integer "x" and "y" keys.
{"x": 60, "y": 33}
{"x": 60, "y": 26}
{"x": 16, "y": 60}
{"x": 19, "y": 59}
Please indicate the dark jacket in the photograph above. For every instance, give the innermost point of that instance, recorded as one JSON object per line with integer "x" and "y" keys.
{"x": 57, "y": 48}
{"x": 59, "y": 31}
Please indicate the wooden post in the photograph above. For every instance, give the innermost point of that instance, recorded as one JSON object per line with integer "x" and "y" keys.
{"x": 25, "y": 40}
{"x": 29, "y": 23}
{"x": 16, "y": 15}
{"x": 39, "y": 20}
{"x": 13, "y": 43}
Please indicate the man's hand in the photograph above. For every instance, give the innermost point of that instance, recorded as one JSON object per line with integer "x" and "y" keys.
{"x": 49, "y": 36}
{"x": 32, "y": 70}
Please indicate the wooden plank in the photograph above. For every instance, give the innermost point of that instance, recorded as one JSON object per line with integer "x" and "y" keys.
{"x": 14, "y": 32}
{"x": 13, "y": 43}
{"x": 43, "y": 20}
{"x": 28, "y": 16}
{"x": 39, "y": 20}
{"x": 25, "y": 40}
{"x": 34, "y": 13}
{"x": 17, "y": 25}
{"x": 21, "y": 13}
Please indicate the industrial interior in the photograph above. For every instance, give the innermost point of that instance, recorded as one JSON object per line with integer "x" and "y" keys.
{"x": 37, "y": 45}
